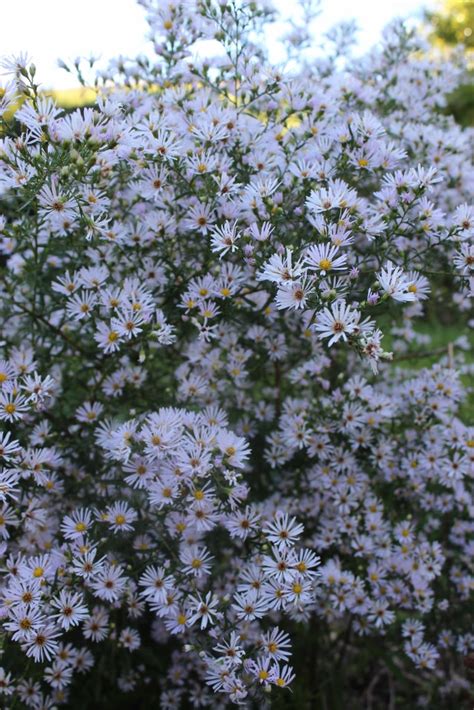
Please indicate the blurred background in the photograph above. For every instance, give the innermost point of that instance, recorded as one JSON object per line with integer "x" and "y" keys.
{"x": 451, "y": 24}
{"x": 49, "y": 30}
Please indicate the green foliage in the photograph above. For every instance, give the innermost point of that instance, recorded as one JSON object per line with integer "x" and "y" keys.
{"x": 461, "y": 103}
{"x": 452, "y": 25}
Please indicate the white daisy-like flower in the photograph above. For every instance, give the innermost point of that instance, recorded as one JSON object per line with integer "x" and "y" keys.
{"x": 336, "y": 322}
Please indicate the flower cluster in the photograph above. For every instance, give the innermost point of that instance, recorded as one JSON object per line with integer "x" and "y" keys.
{"x": 219, "y": 471}
{"x": 181, "y": 473}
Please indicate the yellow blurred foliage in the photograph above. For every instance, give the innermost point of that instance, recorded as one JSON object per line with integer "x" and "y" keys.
{"x": 453, "y": 23}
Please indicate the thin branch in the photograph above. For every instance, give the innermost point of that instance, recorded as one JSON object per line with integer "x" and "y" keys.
{"x": 422, "y": 354}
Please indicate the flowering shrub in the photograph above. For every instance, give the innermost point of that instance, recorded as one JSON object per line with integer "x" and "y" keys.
{"x": 215, "y": 475}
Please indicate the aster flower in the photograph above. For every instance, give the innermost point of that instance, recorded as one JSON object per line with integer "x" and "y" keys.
{"x": 281, "y": 270}
{"x": 70, "y": 609}
{"x": 6, "y": 682}
{"x": 283, "y": 531}
{"x": 336, "y": 322}
{"x": 13, "y": 406}
{"x": 395, "y": 283}
{"x": 293, "y": 295}
{"x": 120, "y": 517}
{"x": 76, "y": 525}
{"x": 41, "y": 645}
{"x": 323, "y": 258}
{"x": 204, "y": 610}
{"x": 282, "y": 677}
{"x": 109, "y": 582}
{"x": 223, "y": 239}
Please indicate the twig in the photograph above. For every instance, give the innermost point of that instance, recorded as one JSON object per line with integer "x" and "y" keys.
{"x": 425, "y": 353}
{"x": 54, "y": 329}
{"x": 371, "y": 688}
{"x": 451, "y": 355}
{"x": 391, "y": 690}
{"x": 278, "y": 389}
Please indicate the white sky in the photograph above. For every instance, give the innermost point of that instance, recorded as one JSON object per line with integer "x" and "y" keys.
{"x": 52, "y": 29}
